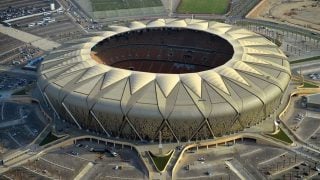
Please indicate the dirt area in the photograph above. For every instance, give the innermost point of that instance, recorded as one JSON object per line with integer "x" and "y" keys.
{"x": 304, "y": 13}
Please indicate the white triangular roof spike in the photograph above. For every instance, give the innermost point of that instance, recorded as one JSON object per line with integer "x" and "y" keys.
{"x": 167, "y": 82}
{"x": 139, "y": 79}
{"x": 271, "y": 49}
{"x": 82, "y": 65}
{"x": 137, "y": 25}
{"x": 169, "y": 20}
{"x": 113, "y": 76}
{"x": 52, "y": 60}
{"x": 80, "y": 40}
{"x": 85, "y": 57}
{"x": 242, "y": 36}
{"x": 240, "y": 31}
{"x": 193, "y": 81}
{"x": 232, "y": 74}
{"x": 245, "y": 67}
{"x": 81, "y": 45}
{"x": 262, "y": 60}
{"x": 71, "y": 48}
{"x": 94, "y": 71}
{"x": 195, "y": 21}
{"x": 256, "y": 50}
{"x": 96, "y": 39}
{"x": 158, "y": 22}
{"x": 249, "y": 58}
{"x": 119, "y": 29}
{"x": 70, "y": 61}
{"x": 177, "y": 23}
{"x": 215, "y": 24}
{"x": 88, "y": 45}
{"x": 85, "y": 51}
{"x": 214, "y": 79}
{"x": 54, "y": 68}
{"x": 222, "y": 30}
{"x": 72, "y": 53}
{"x": 200, "y": 25}
{"x": 108, "y": 34}
{"x": 257, "y": 40}
{"x": 254, "y": 42}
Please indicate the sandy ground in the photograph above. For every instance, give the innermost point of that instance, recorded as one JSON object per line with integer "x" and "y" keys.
{"x": 305, "y": 13}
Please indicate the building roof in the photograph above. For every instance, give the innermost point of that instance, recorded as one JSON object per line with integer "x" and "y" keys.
{"x": 257, "y": 66}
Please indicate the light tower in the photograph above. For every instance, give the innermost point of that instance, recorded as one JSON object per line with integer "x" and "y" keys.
{"x": 52, "y": 6}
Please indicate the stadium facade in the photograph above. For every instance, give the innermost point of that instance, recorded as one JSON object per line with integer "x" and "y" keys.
{"x": 130, "y": 104}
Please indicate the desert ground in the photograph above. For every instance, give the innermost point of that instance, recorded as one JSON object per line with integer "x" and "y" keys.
{"x": 304, "y": 13}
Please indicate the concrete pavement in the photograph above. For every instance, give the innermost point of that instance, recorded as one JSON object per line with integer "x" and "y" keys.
{"x": 36, "y": 41}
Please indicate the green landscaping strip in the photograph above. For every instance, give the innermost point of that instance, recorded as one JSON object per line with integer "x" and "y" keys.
{"x": 48, "y": 139}
{"x": 109, "y": 5}
{"x": 203, "y": 6}
{"x": 20, "y": 92}
{"x": 282, "y": 136}
{"x": 305, "y": 60}
{"x": 161, "y": 161}
{"x": 309, "y": 85}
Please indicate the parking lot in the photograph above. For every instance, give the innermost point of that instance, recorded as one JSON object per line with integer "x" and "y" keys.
{"x": 315, "y": 139}
{"x": 255, "y": 159}
{"x": 36, "y": 17}
{"x": 8, "y": 43}
{"x": 9, "y": 82}
{"x": 19, "y": 125}
{"x": 304, "y": 122}
{"x": 56, "y": 26}
{"x": 20, "y": 56}
{"x": 314, "y": 76}
{"x": 68, "y": 161}
{"x": 303, "y": 170}
{"x": 206, "y": 164}
{"x": 10, "y": 9}
{"x": 124, "y": 164}
{"x": 21, "y": 173}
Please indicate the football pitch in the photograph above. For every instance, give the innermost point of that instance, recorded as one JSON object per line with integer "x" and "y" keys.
{"x": 110, "y": 5}
{"x": 203, "y": 6}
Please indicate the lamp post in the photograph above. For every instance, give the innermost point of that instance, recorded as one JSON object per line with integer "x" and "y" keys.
{"x": 160, "y": 142}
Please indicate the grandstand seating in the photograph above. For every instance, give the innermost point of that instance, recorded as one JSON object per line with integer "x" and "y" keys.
{"x": 165, "y": 51}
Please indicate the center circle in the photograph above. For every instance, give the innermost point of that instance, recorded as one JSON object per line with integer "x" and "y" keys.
{"x": 163, "y": 50}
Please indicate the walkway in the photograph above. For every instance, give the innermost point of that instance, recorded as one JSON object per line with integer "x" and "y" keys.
{"x": 36, "y": 41}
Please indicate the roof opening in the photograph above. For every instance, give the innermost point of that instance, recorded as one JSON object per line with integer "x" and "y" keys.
{"x": 164, "y": 50}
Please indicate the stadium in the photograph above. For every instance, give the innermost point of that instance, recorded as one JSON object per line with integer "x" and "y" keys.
{"x": 188, "y": 79}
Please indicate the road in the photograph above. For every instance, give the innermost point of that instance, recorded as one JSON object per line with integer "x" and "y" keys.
{"x": 238, "y": 169}
{"x": 284, "y": 27}
{"x": 2, "y": 107}
{"x": 18, "y": 71}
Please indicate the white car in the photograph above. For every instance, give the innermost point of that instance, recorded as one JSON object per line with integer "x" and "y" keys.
{"x": 47, "y": 19}
{"x": 51, "y": 21}
{"x": 298, "y": 119}
{"x": 31, "y": 24}
{"x": 46, "y": 13}
{"x": 114, "y": 154}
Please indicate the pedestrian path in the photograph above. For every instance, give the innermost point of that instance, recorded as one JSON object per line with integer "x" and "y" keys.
{"x": 36, "y": 41}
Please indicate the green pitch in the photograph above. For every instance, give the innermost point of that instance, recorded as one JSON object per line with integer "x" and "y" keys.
{"x": 203, "y": 6}
{"x": 109, "y": 5}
